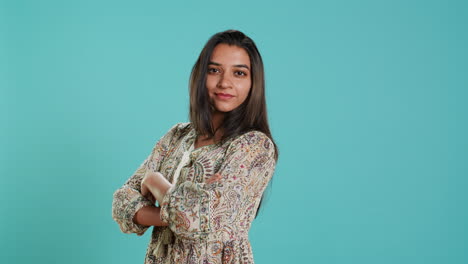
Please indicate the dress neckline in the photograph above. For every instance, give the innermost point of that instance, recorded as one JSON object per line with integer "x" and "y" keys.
{"x": 193, "y": 137}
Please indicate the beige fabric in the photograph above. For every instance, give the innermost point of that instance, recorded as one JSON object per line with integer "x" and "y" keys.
{"x": 208, "y": 223}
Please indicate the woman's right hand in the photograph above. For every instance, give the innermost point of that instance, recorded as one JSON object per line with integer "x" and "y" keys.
{"x": 155, "y": 184}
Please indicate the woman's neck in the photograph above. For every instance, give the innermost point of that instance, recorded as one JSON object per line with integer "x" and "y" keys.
{"x": 216, "y": 121}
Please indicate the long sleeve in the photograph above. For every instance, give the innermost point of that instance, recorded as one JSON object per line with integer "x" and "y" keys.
{"x": 195, "y": 209}
{"x": 127, "y": 200}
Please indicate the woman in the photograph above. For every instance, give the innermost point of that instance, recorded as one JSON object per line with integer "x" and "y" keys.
{"x": 206, "y": 177}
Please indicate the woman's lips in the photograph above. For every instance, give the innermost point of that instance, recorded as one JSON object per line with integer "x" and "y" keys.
{"x": 224, "y": 96}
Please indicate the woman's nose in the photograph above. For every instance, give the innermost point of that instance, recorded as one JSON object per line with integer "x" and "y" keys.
{"x": 224, "y": 81}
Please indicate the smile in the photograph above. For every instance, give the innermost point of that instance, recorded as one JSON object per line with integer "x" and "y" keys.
{"x": 223, "y": 96}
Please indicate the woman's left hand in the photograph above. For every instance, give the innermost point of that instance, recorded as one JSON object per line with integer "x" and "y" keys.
{"x": 214, "y": 178}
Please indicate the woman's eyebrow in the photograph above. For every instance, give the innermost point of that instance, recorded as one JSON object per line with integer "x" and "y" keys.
{"x": 242, "y": 66}
{"x": 237, "y": 65}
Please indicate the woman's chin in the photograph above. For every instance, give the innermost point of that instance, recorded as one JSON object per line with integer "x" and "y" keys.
{"x": 224, "y": 109}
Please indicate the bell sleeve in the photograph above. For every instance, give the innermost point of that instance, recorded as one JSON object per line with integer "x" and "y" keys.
{"x": 127, "y": 200}
{"x": 194, "y": 210}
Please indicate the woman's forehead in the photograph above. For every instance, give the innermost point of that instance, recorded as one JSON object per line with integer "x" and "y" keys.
{"x": 229, "y": 55}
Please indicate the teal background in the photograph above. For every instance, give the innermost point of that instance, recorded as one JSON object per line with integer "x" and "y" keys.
{"x": 367, "y": 101}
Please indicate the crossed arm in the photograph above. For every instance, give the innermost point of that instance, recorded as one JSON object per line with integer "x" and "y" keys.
{"x": 188, "y": 208}
{"x": 154, "y": 186}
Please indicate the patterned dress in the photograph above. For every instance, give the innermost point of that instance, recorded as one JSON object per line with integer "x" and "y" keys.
{"x": 208, "y": 223}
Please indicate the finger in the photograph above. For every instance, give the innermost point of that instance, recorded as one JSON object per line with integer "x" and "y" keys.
{"x": 214, "y": 178}
{"x": 144, "y": 190}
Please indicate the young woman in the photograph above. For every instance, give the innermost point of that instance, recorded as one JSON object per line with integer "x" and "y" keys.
{"x": 206, "y": 177}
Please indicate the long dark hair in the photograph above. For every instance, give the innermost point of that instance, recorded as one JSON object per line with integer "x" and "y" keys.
{"x": 251, "y": 114}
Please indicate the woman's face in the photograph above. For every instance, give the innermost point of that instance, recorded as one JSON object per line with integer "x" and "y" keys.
{"x": 228, "y": 79}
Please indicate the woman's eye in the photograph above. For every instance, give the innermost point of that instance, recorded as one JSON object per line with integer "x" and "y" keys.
{"x": 240, "y": 73}
{"x": 213, "y": 70}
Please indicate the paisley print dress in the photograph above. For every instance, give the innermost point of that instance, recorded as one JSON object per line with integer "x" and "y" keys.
{"x": 208, "y": 223}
